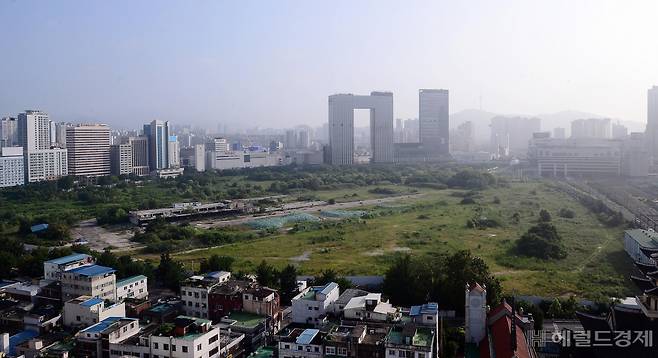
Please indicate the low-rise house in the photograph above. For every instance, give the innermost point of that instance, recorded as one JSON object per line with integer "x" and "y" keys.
{"x": 42, "y": 319}
{"x": 53, "y": 269}
{"x": 638, "y": 240}
{"x": 93, "y": 280}
{"x": 254, "y": 328}
{"x": 226, "y": 298}
{"x": 195, "y": 290}
{"x": 265, "y": 302}
{"x": 191, "y": 337}
{"x": 311, "y": 305}
{"x": 306, "y": 343}
{"x": 371, "y": 308}
{"x": 85, "y": 311}
{"x": 344, "y": 298}
{"x": 411, "y": 340}
{"x": 132, "y": 287}
{"x": 95, "y": 340}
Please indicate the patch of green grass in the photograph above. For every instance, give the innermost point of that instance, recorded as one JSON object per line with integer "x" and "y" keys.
{"x": 436, "y": 223}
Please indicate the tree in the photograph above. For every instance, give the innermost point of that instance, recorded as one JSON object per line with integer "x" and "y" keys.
{"x": 555, "y": 310}
{"x": 288, "y": 284}
{"x": 266, "y": 274}
{"x": 544, "y": 216}
{"x": 217, "y": 263}
{"x": 330, "y": 275}
{"x": 170, "y": 273}
{"x": 566, "y": 213}
{"x": 541, "y": 241}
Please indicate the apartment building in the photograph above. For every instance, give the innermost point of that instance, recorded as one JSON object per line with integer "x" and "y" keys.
{"x": 53, "y": 269}
{"x": 121, "y": 159}
{"x": 93, "y": 280}
{"x": 132, "y": 287}
{"x": 85, "y": 311}
{"x": 96, "y": 340}
{"x": 12, "y": 167}
{"x": 299, "y": 342}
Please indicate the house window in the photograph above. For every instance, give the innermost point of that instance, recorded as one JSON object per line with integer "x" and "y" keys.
{"x": 198, "y": 347}
{"x": 184, "y": 349}
{"x": 173, "y": 347}
{"x": 155, "y": 346}
{"x": 165, "y": 347}
{"x": 421, "y": 355}
{"x": 342, "y": 351}
{"x": 330, "y": 350}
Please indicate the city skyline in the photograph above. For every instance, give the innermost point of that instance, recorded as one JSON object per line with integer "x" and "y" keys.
{"x": 112, "y": 63}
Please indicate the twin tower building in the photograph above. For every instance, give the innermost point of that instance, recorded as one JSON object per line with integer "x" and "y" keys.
{"x": 432, "y": 145}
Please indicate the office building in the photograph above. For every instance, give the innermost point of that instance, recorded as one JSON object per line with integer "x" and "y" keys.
{"x": 303, "y": 139}
{"x": 619, "y": 131}
{"x": 200, "y": 157}
{"x": 218, "y": 144}
{"x": 635, "y": 160}
{"x": 433, "y": 119}
{"x": 9, "y": 132}
{"x": 291, "y": 139}
{"x": 510, "y": 135}
{"x": 652, "y": 123}
{"x": 593, "y": 157}
{"x": 121, "y": 159}
{"x": 40, "y": 161}
{"x": 140, "y": 155}
{"x": 88, "y": 148}
{"x": 12, "y": 167}
{"x": 341, "y": 126}
{"x": 158, "y": 133}
{"x": 591, "y": 128}
{"x": 174, "y": 152}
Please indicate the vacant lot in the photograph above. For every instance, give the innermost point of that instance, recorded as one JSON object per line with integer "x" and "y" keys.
{"x": 436, "y": 223}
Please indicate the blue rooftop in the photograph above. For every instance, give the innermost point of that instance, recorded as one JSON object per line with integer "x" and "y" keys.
{"x": 18, "y": 338}
{"x": 102, "y": 325}
{"x": 427, "y": 308}
{"x": 91, "y": 271}
{"x": 307, "y": 336}
{"x": 91, "y": 302}
{"x": 68, "y": 259}
{"x": 38, "y": 227}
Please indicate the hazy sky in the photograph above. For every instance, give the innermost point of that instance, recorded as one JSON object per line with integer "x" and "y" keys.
{"x": 273, "y": 63}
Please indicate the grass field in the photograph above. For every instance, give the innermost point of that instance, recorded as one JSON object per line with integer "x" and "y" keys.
{"x": 596, "y": 263}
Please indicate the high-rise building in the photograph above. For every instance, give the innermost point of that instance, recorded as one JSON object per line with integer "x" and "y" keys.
{"x": 218, "y": 144}
{"x": 200, "y": 157}
{"x": 40, "y": 161}
{"x": 619, "y": 131}
{"x": 652, "y": 122}
{"x": 60, "y": 134}
{"x": 341, "y": 126}
{"x": 9, "y": 132}
{"x": 510, "y": 135}
{"x": 591, "y": 128}
{"x": 88, "y": 148}
{"x": 559, "y": 133}
{"x": 34, "y": 130}
{"x": 304, "y": 139}
{"x": 174, "y": 152}
{"x": 434, "y": 121}
{"x": 463, "y": 138}
{"x": 140, "y": 155}
{"x": 157, "y": 133}
{"x": 291, "y": 139}
{"x": 121, "y": 159}
{"x": 11, "y": 167}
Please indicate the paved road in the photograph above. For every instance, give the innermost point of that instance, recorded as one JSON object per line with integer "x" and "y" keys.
{"x": 315, "y": 206}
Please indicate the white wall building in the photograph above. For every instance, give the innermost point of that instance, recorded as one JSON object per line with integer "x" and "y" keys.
{"x": 85, "y": 311}
{"x": 132, "y": 287}
{"x": 194, "y": 338}
{"x": 93, "y": 280}
{"x": 306, "y": 343}
{"x": 371, "y": 308}
{"x": 476, "y": 313}
{"x": 12, "y": 166}
{"x": 312, "y": 304}
{"x": 88, "y": 147}
{"x": 341, "y": 126}
{"x": 53, "y": 269}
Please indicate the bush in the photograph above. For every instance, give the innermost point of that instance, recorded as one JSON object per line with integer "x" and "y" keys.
{"x": 566, "y": 213}
{"x": 544, "y": 216}
{"x": 467, "y": 201}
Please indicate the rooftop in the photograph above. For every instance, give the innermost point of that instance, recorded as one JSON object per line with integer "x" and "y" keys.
{"x": 427, "y": 308}
{"x": 92, "y": 270}
{"x": 645, "y": 238}
{"x": 246, "y": 319}
{"x": 68, "y": 259}
{"x": 91, "y": 302}
{"x": 129, "y": 280}
{"x": 307, "y": 336}
{"x": 422, "y": 337}
{"x": 103, "y": 325}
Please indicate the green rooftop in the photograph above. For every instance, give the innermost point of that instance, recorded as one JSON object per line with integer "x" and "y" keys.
{"x": 246, "y": 319}
{"x": 262, "y": 352}
{"x": 422, "y": 338}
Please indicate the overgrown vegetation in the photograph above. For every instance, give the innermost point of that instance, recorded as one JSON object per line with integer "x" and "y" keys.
{"x": 541, "y": 241}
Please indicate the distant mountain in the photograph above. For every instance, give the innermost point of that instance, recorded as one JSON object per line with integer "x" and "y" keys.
{"x": 482, "y": 119}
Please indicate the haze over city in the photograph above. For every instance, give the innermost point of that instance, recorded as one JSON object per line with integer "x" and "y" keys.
{"x": 273, "y": 64}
